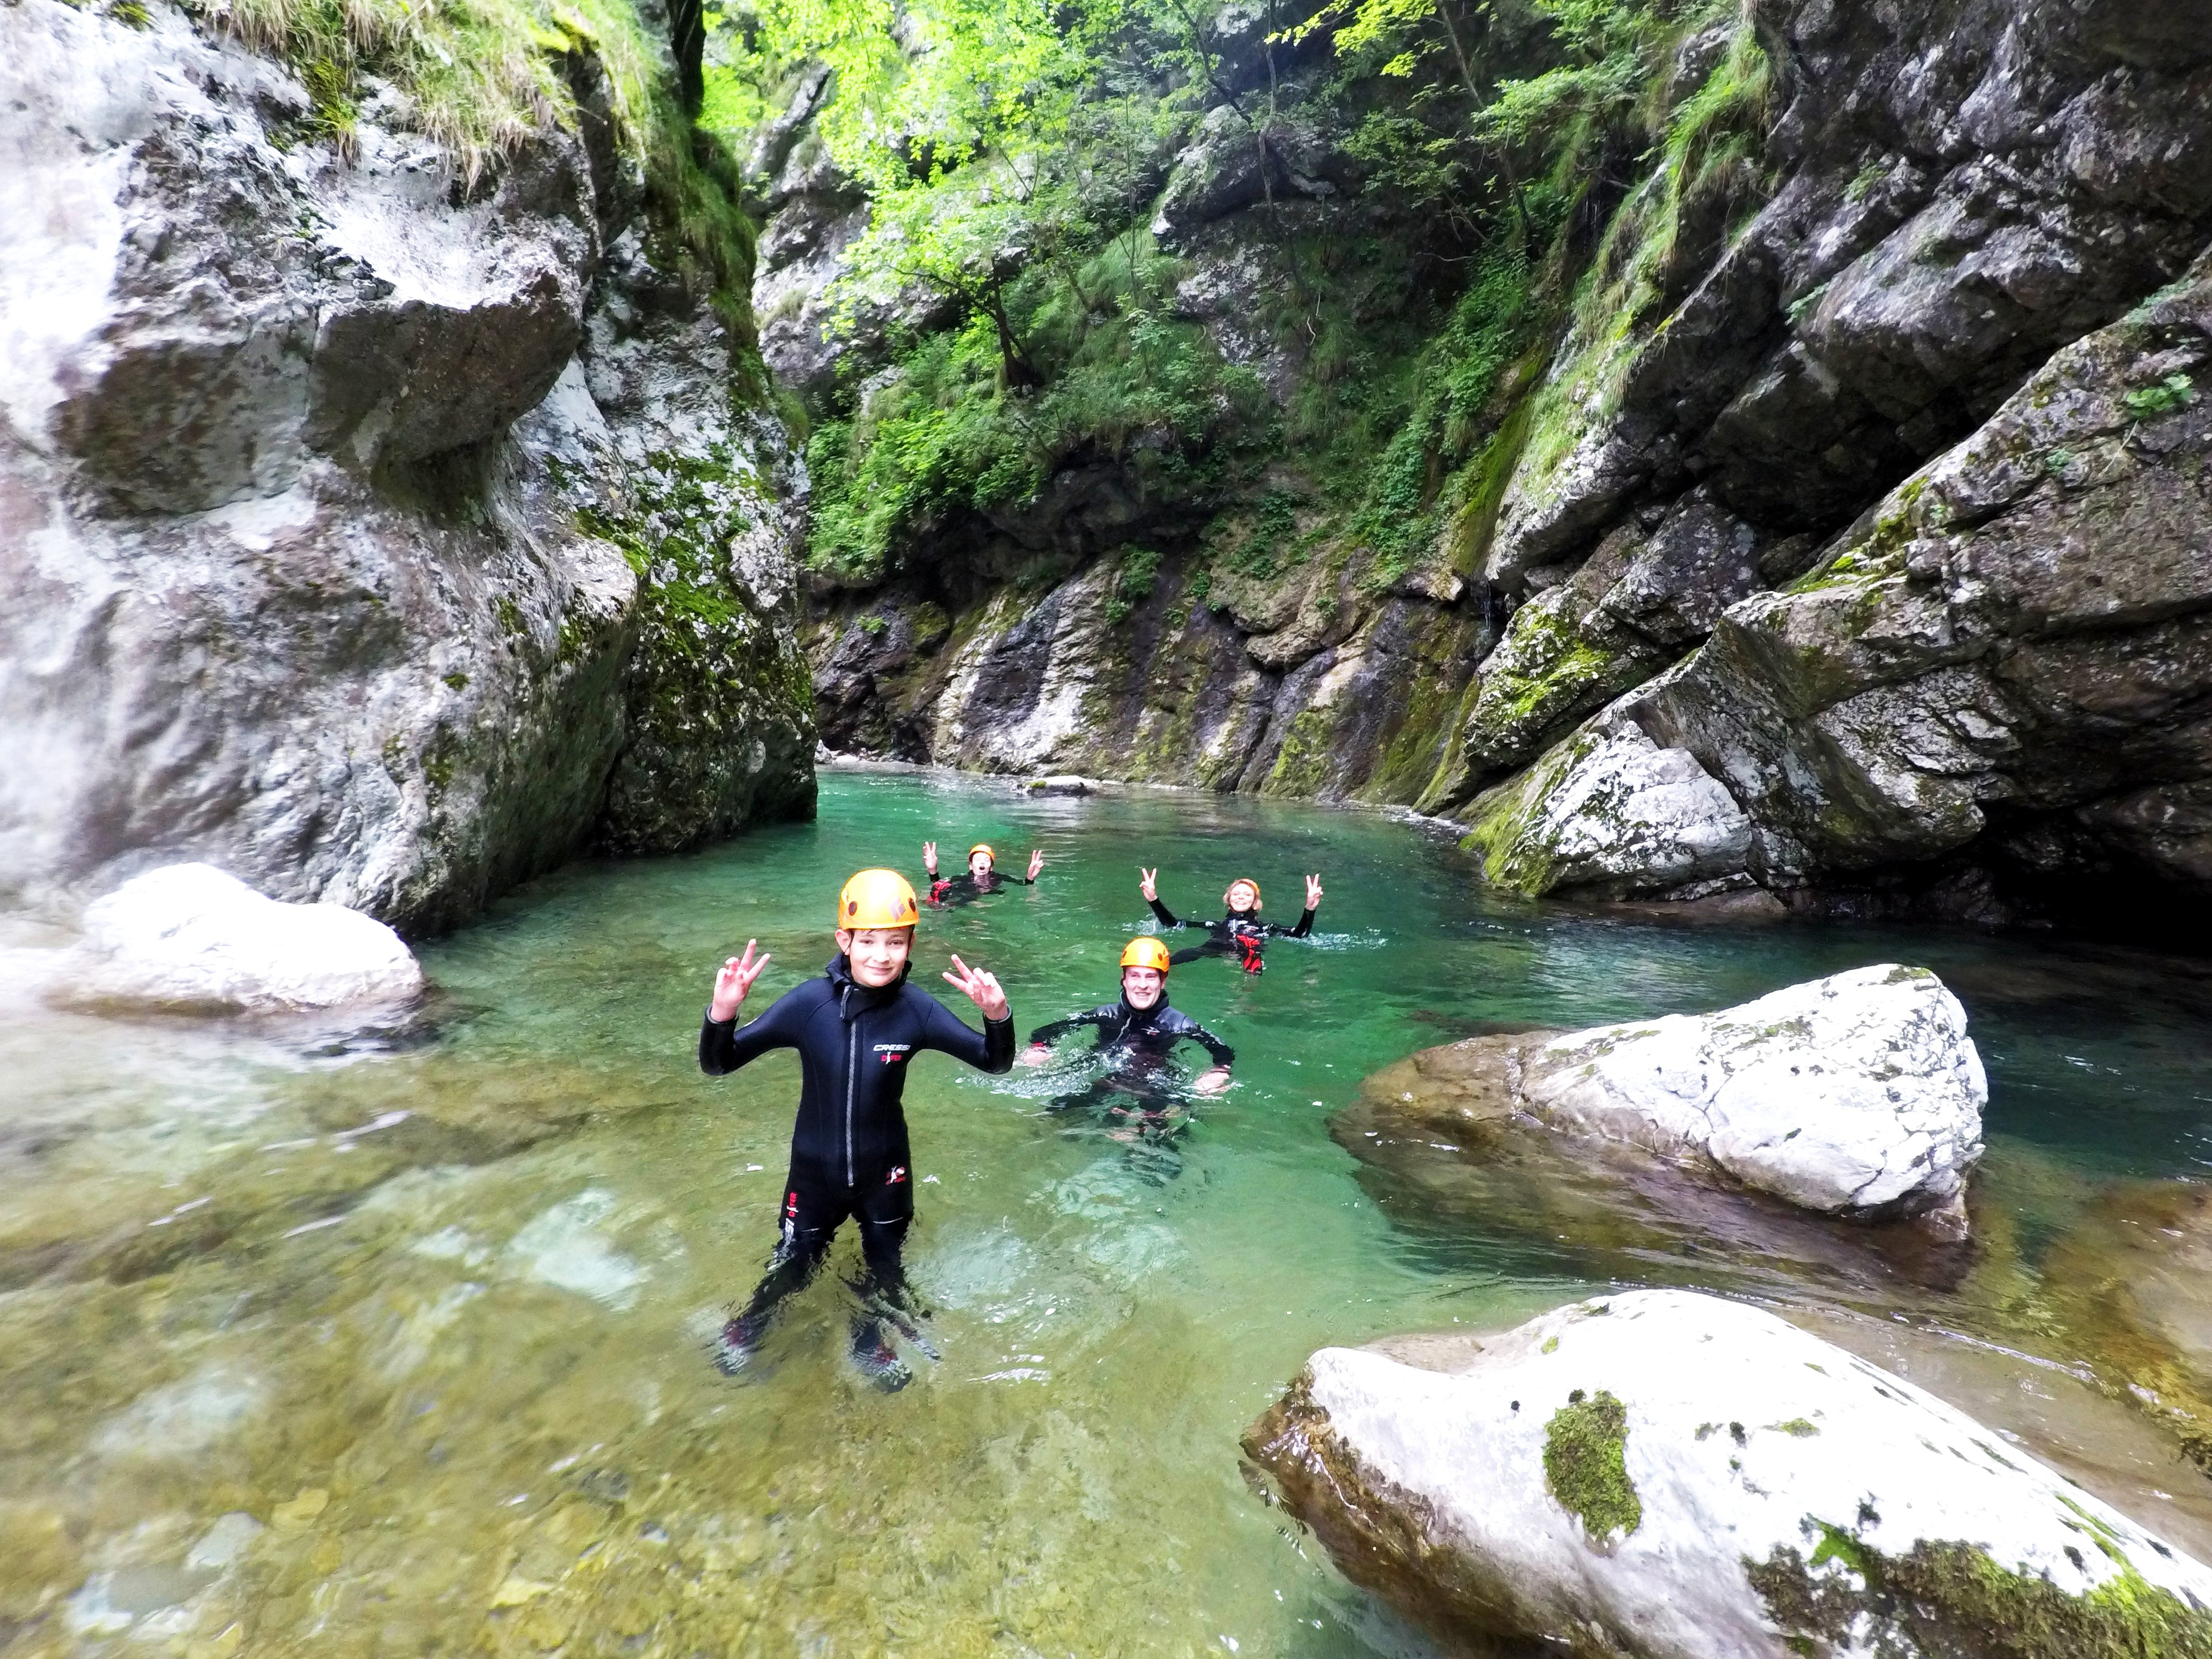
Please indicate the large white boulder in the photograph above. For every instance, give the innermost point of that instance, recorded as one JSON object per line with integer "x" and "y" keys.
{"x": 188, "y": 935}
{"x": 1858, "y": 1094}
{"x": 1665, "y": 1475}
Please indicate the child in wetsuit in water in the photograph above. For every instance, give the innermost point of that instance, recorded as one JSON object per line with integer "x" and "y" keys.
{"x": 856, "y": 1028}
{"x": 945, "y": 891}
{"x": 1240, "y": 934}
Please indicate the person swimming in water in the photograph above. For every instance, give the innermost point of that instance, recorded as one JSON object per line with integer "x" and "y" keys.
{"x": 1240, "y": 934}
{"x": 983, "y": 877}
{"x": 1139, "y": 1084}
{"x": 856, "y": 1028}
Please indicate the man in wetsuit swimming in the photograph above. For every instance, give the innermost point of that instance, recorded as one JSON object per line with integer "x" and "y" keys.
{"x": 982, "y": 876}
{"x": 855, "y": 1027}
{"x": 1136, "y": 1036}
{"x": 1240, "y": 934}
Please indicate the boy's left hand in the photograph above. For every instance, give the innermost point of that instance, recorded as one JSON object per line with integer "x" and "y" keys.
{"x": 1036, "y": 862}
{"x": 1211, "y": 1083}
{"x": 979, "y": 988}
{"x": 1313, "y": 892}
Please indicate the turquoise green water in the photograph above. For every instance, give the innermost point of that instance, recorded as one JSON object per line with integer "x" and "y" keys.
{"x": 430, "y": 1306}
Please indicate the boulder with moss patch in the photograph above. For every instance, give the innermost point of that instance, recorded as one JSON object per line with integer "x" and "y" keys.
{"x": 1858, "y": 1096}
{"x": 1665, "y": 1475}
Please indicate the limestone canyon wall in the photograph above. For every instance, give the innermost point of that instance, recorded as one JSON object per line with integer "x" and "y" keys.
{"x": 1859, "y": 562}
{"x": 378, "y": 532}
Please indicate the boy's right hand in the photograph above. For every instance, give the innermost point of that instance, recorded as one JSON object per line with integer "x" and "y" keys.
{"x": 736, "y": 979}
{"x": 1148, "y": 883}
{"x": 1035, "y": 1055}
{"x": 929, "y": 856}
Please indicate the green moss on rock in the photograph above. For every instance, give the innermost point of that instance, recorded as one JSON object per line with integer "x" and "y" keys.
{"x": 1952, "y": 1598}
{"x": 1586, "y": 1464}
{"x": 720, "y": 728}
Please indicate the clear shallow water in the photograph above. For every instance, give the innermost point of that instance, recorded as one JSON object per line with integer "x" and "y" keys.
{"x": 429, "y": 1307}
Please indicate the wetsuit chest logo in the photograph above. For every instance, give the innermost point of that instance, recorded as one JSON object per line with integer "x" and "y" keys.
{"x": 890, "y": 1053}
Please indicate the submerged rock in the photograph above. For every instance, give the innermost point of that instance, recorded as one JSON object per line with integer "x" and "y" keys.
{"x": 1857, "y": 1095}
{"x": 190, "y": 936}
{"x": 1665, "y": 1475}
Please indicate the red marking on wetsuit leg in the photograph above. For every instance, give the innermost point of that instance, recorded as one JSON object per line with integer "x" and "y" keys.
{"x": 897, "y": 1174}
{"x": 791, "y": 1204}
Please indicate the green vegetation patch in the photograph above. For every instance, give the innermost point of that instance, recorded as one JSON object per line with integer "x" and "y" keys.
{"x": 1586, "y": 1464}
{"x": 2149, "y": 403}
{"x": 1953, "y": 1598}
{"x": 483, "y": 77}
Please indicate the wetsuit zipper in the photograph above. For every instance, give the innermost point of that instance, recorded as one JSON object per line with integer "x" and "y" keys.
{"x": 852, "y": 1075}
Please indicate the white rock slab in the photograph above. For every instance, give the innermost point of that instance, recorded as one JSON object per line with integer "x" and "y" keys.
{"x": 1754, "y": 1449}
{"x": 1858, "y": 1094}
{"x": 189, "y": 935}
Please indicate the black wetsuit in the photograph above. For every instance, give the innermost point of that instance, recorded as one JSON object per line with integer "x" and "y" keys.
{"x": 1138, "y": 1086}
{"x": 1240, "y": 934}
{"x": 1138, "y": 1041}
{"x": 849, "y": 1148}
{"x": 946, "y": 891}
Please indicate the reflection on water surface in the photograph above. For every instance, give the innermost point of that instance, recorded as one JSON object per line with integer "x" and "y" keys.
{"x": 393, "y": 1343}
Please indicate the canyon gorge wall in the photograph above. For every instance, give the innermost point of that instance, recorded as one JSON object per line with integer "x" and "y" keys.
{"x": 380, "y": 520}
{"x": 1806, "y": 501}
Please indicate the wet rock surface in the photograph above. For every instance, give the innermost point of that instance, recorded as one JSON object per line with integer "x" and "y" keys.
{"x": 1660, "y": 1473}
{"x": 1859, "y": 1095}
{"x": 188, "y": 936}
{"x": 1969, "y": 255}
{"x": 328, "y": 487}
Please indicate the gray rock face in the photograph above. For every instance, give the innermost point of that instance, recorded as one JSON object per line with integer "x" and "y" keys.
{"x": 1859, "y": 1095}
{"x": 2005, "y": 655}
{"x": 1627, "y": 680}
{"x": 316, "y": 482}
{"x": 1663, "y": 1475}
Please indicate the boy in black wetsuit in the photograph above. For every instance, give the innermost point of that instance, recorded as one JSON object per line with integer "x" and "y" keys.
{"x": 1136, "y": 1036}
{"x": 855, "y": 1027}
{"x": 983, "y": 877}
{"x": 1240, "y": 934}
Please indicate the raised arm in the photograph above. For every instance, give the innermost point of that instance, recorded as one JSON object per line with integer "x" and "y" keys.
{"x": 929, "y": 858}
{"x": 1036, "y": 863}
{"x": 1305, "y": 922}
{"x": 1148, "y": 884}
{"x": 723, "y": 1044}
{"x": 991, "y": 1050}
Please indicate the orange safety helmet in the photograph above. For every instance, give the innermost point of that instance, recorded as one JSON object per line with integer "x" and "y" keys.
{"x": 1145, "y": 951}
{"x": 984, "y": 847}
{"x": 876, "y": 898}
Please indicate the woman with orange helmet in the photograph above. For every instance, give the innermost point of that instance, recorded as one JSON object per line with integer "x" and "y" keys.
{"x": 982, "y": 875}
{"x": 856, "y": 1028}
{"x": 1137, "y": 1035}
{"x": 1240, "y": 932}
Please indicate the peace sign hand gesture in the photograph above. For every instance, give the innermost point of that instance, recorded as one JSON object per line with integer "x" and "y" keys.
{"x": 929, "y": 856}
{"x": 1036, "y": 862}
{"x": 1313, "y": 892}
{"x": 736, "y": 979}
{"x": 1149, "y": 885}
{"x": 979, "y": 988}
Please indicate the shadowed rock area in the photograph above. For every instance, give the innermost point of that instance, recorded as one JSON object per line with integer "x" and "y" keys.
{"x": 1810, "y": 518}
{"x": 378, "y": 530}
